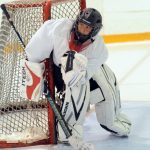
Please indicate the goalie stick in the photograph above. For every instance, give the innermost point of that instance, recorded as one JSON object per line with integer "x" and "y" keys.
{"x": 74, "y": 141}
{"x": 59, "y": 116}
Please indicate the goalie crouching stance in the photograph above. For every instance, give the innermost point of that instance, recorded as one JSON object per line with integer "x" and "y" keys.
{"x": 79, "y": 55}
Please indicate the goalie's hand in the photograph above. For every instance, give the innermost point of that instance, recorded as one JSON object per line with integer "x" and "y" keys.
{"x": 32, "y": 80}
{"x": 76, "y": 75}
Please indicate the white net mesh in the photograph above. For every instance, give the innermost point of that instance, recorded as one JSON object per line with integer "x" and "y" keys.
{"x": 18, "y": 114}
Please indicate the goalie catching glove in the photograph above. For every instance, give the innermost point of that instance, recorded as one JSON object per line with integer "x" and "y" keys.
{"x": 77, "y": 73}
{"x": 32, "y": 80}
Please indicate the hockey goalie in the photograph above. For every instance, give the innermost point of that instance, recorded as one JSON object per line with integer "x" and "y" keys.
{"x": 81, "y": 75}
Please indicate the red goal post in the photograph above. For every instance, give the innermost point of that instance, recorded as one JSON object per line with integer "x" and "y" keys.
{"x": 19, "y": 116}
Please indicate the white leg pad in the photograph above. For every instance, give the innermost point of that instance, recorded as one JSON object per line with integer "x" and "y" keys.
{"x": 74, "y": 109}
{"x": 108, "y": 108}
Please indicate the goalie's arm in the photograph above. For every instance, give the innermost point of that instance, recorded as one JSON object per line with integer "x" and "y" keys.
{"x": 41, "y": 44}
{"x": 97, "y": 58}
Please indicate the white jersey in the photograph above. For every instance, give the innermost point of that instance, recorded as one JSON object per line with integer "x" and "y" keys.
{"x": 54, "y": 36}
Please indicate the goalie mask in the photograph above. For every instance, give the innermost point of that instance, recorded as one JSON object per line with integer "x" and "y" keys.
{"x": 90, "y": 17}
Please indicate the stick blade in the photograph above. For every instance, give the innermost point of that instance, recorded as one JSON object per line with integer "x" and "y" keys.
{"x": 78, "y": 144}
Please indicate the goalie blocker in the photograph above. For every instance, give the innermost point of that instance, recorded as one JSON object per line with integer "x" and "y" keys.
{"x": 32, "y": 80}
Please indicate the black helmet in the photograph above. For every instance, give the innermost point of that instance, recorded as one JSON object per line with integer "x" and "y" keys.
{"x": 92, "y": 18}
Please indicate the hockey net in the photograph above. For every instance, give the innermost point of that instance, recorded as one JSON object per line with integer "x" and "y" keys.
{"x": 23, "y": 122}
